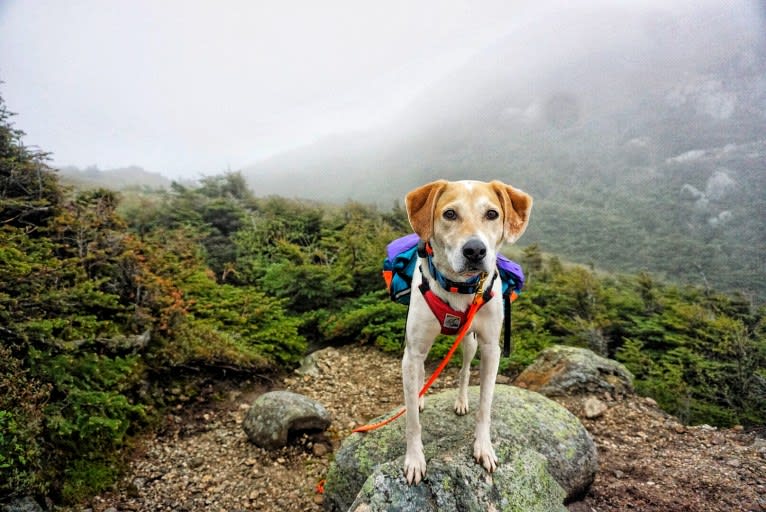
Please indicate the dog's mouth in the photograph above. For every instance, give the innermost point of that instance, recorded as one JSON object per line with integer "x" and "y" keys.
{"x": 470, "y": 272}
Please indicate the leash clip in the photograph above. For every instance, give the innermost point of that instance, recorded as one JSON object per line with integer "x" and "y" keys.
{"x": 480, "y": 287}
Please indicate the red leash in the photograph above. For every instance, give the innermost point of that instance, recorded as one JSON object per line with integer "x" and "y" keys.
{"x": 478, "y": 300}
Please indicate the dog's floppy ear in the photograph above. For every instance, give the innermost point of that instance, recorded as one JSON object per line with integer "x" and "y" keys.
{"x": 420, "y": 207}
{"x": 517, "y": 206}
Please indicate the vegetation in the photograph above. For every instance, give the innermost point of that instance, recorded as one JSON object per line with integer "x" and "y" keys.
{"x": 100, "y": 320}
{"x": 109, "y": 305}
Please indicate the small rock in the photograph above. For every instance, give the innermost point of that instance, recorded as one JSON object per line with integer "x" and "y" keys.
{"x": 594, "y": 407}
{"x": 277, "y": 414}
{"x": 618, "y": 474}
{"x": 320, "y": 450}
{"x": 308, "y": 367}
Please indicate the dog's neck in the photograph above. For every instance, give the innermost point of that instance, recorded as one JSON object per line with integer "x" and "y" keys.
{"x": 457, "y": 294}
{"x": 467, "y": 286}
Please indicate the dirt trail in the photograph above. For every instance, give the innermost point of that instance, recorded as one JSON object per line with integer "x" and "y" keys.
{"x": 202, "y": 461}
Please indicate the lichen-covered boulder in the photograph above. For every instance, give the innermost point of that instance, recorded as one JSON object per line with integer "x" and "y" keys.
{"x": 562, "y": 370}
{"x": 25, "y": 504}
{"x": 546, "y": 457}
{"x": 277, "y": 414}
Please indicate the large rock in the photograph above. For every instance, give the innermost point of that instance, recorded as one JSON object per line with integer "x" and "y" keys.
{"x": 274, "y": 416}
{"x": 562, "y": 370}
{"x": 545, "y": 458}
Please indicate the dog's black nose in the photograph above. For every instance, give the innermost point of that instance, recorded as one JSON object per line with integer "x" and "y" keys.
{"x": 474, "y": 250}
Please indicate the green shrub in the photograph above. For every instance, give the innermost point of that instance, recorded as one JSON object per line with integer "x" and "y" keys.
{"x": 85, "y": 477}
{"x": 372, "y": 318}
{"x": 21, "y": 426}
{"x": 254, "y": 322}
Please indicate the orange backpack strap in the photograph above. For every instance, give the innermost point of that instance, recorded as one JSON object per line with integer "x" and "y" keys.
{"x": 388, "y": 275}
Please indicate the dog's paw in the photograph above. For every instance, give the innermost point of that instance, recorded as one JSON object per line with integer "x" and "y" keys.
{"x": 421, "y": 403}
{"x": 461, "y": 406}
{"x": 414, "y": 467}
{"x": 485, "y": 455}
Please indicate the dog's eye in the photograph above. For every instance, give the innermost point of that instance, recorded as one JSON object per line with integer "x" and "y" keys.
{"x": 492, "y": 214}
{"x": 450, "y": 214}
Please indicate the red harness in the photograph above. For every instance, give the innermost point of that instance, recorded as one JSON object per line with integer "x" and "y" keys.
{"x": 450, "y": 320}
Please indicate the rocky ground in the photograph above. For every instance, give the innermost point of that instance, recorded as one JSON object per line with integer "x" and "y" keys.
{"x": 203, "y": 461}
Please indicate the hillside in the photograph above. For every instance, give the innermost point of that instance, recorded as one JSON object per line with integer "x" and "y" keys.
{"x": 643, "y": 150}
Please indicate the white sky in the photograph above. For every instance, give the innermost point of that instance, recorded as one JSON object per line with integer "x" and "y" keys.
{"x": 190, "y": 87}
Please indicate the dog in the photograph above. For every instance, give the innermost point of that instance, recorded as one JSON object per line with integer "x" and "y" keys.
{"x": 465, "y": 223}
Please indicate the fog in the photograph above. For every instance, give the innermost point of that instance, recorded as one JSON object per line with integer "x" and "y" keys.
{"x": 189, "y": 88}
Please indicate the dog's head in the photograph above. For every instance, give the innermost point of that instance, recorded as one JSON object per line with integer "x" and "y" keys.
{"x": 466, "y": 222}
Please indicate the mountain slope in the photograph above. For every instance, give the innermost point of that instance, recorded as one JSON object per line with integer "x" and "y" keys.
{"x": 642, "y": 141}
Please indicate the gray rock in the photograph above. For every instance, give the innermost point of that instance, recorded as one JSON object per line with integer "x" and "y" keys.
{"x": 274, "y": 416}
{"x": 308, "y": 367}
{"x": 562, "y": 370}
{"x": 25, "y": 504}
{"x": 594, "y": 407}
{"x": 545, "y": 457}
{"x": 690, "y": 193}
{"x": 719, "y": 185}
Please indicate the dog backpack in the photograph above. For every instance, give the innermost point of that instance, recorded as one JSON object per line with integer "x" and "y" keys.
{"x": 402, "y": 258}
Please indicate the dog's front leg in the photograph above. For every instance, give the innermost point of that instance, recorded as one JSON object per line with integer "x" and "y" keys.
{"x": 469, "y": 350}
{"x": 412, "y": 370}
{"x": 490, "y": 359}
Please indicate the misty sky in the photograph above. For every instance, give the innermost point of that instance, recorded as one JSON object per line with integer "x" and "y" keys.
{"x": 196, "y": 87}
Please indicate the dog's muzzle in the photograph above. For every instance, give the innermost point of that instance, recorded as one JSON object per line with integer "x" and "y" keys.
{"x": 474, "y": 252}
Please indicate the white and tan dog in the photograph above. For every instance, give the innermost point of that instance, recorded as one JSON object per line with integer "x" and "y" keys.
{"x": 465, "y": 223}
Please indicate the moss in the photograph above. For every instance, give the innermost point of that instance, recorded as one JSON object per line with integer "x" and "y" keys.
{"x": 447, "y": 485}
{"x": 87, "y": 477}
